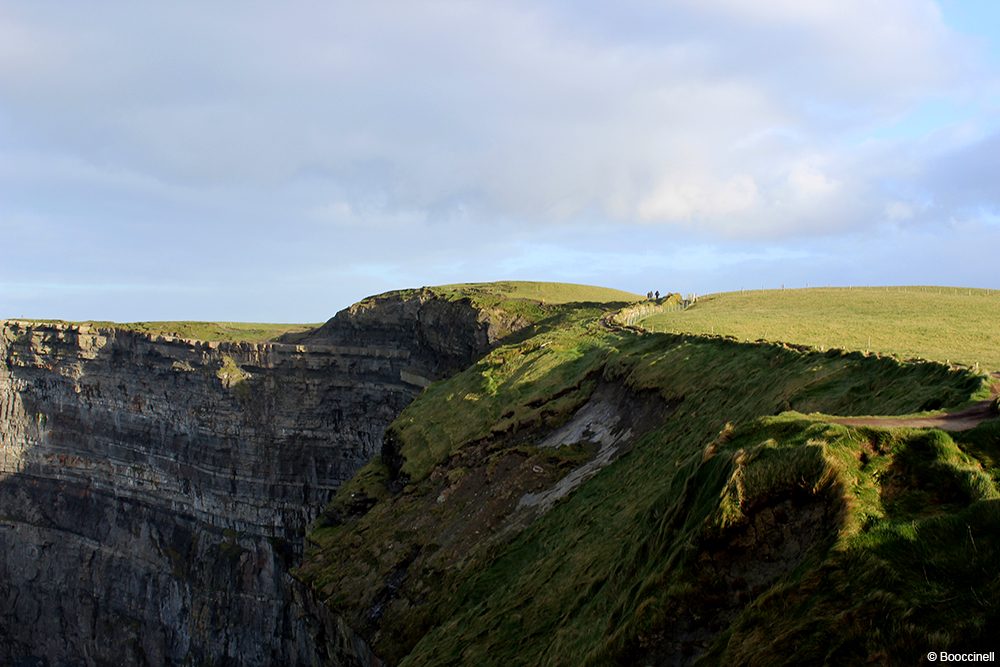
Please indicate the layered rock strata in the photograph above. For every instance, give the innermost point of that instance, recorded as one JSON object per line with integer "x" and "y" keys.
{"x": 154, "y": 491}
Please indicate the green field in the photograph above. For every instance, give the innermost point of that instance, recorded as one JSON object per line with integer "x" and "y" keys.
{"x": 223, "y": 332}
{"x": 956, "y": 325}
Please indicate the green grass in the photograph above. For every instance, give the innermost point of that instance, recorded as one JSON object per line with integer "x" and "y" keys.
{"x": 509, "y": 388}
{"x": 235, "y": 332}
{"x": 895, "y": 576}
{"x": 610, "y": 570}
{"x": 956, "y": 325}
{"x": 546, "y": 292}
{"x": 885, "y": 598}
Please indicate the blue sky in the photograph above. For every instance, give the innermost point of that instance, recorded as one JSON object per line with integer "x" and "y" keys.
{"x": 264, "y": 162}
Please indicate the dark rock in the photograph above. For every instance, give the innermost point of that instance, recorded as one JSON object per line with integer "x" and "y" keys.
{"x": 154, "y": 491}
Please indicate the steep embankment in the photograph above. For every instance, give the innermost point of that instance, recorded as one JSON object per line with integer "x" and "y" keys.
{"x": 593, "y": 495}
{"x": 154, "y": 490}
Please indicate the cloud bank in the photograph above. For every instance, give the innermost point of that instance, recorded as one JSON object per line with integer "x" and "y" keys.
{"x": 311, "y": 153}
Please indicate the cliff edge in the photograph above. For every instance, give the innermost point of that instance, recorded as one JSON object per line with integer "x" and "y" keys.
{"x": 155, "y": 490}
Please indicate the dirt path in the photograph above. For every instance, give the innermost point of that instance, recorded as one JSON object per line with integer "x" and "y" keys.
{"x": 961, "y": 420}
{"x": 956, "y": 421}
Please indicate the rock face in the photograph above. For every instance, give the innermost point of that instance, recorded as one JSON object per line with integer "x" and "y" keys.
{"x": 155, "y": 491}
{"x": 441, "y": 336}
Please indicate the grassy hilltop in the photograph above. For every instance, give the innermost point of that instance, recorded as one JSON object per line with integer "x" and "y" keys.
{"x": 939, "y": 323}
{"x": 729, "y": 521}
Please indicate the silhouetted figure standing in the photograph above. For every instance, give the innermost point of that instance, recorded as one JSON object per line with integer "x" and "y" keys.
{"x": 657, "y": 295}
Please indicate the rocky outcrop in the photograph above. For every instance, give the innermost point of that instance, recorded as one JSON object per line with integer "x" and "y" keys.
{"x": 441, "y": 335}
{"x": 155, "y": 491}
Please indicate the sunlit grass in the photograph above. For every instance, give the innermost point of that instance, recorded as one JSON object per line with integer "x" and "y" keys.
{"x": 227, "y": 332}
{"x": 948, "y": 324}
{"x": 551, "y": 293}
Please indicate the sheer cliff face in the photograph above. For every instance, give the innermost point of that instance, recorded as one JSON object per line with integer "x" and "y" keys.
{"x": 154, "y": 491}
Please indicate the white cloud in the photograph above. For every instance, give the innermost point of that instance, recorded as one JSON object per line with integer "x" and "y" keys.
{"x": 426, "y": 128}
{"x": 502, "y": 103}
{"x": 688, "y": 199}
{"x": 898, "y": 211}
{"x": 809, "y": 184}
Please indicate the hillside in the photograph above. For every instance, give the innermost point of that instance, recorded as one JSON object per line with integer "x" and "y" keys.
{"x": 157, "y": 478}
{"x": 495, "y": 473}
{"x": 945, "y": 324}
{"x": 588, "y": 495}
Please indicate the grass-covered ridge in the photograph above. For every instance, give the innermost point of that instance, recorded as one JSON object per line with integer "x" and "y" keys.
{"x": 939, "y": 323}
{"x": 429, "y": 554}
{"x": 523, "y": 300}
{"x": 514, "y": 296}
{"x": 545, "y": 292}
{"x": 223, "y": 332}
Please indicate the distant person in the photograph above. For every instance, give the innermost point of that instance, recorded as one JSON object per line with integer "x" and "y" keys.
{"x": 649, "y": 295}
{"x": 657, "y": 295}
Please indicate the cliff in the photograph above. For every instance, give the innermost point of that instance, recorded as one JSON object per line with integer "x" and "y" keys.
{"x": 571, "y": 491}
{"x": 154, "y": 491}
{"x": 442, "y": 334}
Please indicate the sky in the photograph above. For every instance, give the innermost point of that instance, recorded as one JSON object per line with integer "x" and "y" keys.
{"x": 260, "y": 161}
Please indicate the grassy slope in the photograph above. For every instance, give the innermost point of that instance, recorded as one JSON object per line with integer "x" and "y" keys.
{"x": 943, "y": 324}
{"x": 236, "y": 332}
{"x": 602, "y": 576}
{"x": 919, "y": 573}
